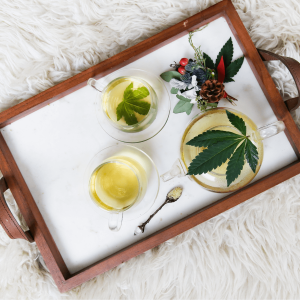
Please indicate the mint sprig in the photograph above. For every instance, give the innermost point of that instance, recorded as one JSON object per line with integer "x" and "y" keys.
{"x": 221, "y": 146}
{"x": 132, "y": 103}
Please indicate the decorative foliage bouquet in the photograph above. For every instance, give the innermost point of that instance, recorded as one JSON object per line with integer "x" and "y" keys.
{"x": 200, "y": 80}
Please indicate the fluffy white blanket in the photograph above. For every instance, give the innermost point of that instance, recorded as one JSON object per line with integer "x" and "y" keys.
{"x": 251, "y": 251}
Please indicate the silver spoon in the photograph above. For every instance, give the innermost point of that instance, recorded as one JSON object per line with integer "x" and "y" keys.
{"x": 172, "y": 196}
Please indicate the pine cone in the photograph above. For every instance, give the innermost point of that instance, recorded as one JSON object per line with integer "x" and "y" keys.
{"x": 212, "y": 91}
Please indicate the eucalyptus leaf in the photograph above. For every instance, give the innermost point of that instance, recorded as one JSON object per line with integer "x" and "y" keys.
{"x": 167, "y": 76}
{"x": 183, "y": 106}
{"x": 180, "y": 97}
{"x": 174, "y": 90}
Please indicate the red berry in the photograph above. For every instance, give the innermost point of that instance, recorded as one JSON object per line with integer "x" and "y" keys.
{"x": 184, "y": 61}
{"x": 181, "y": 70}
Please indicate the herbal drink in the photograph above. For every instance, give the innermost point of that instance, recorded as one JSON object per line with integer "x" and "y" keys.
{"x": 217, "y": 119}
{"x": 113, "y": 95}
{"x": 119, "y": 182}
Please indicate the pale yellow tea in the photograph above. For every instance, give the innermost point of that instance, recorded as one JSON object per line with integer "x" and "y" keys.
{"x": 118, "y": 183}
{"x": 218, "y": 120}
{"x": 113, "y": 96}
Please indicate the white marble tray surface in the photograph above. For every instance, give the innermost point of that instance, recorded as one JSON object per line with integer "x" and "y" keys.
{"x": 53, "y": 145}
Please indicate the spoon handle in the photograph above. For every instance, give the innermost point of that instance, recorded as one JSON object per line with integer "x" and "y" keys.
{"x": 141, "y": 228}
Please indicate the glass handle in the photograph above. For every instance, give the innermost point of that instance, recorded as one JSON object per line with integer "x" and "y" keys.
{"x": 115, "y": 221}
{"x": 177, "y": 170}
{"x": 93, "y": 83}
{"x": 270, "y": 130}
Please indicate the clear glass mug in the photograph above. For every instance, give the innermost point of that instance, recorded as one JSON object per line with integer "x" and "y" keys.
{"x": 114, "y": 85}
{"x": 216, "y": 119}
{"x": 108, "y": 109}
{"x": 121, "y": 179}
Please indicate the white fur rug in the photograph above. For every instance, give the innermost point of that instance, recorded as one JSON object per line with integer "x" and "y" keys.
{"x": 251, "y": 251}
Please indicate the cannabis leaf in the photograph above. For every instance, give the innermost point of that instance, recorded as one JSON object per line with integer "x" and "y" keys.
{"x": 237, "y": 122}
{"x": 213, "y": 157}
{"x": 236, "y": 163}
{"x": 233, "y": 69}
{"x": 208, "y": 61}
{"x": 132, "y": 103}
{"x": 211, "y": 137}
{"x": 227, "y": 53}
{"x": 222, "y": 146}
{"x": 183, "y": 105}
{"x": 251, "y": 155}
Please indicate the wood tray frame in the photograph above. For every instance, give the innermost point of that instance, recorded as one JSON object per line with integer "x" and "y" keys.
{"x": 38, "y": 228}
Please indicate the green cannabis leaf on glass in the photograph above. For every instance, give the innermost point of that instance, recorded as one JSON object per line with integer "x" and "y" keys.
{"x": 132, "y": 102}
{"x": 221, "y": 146}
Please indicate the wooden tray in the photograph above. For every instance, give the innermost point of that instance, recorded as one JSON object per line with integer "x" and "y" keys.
{"x": 39, "y": 231}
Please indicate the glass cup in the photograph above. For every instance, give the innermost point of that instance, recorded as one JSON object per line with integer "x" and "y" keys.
{"x": 216, "y": 119}
{"x": 122, "y": 179}
{"x": 115, "y": 84}
{"x": 108, "y": 110}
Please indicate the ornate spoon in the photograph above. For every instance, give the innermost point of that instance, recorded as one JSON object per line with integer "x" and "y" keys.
{"x": 172, "y": 196}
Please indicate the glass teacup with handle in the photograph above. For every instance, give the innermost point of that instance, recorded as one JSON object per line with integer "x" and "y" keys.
{"x": 217, "y": 120}
{"x": 121, "y": 179}
{"x": 132, "y": 105}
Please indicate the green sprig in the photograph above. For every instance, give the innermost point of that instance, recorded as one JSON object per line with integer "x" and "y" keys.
{"x": 132, "y": 103}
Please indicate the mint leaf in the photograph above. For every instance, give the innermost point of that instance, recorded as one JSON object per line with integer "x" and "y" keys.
{"x": 120, "y": 109}
{"x": 138, "y": 94}
{"x": 167, "y": 76}
{"x": 208, "y": 61}
{"x": 236, "y": 163}
{"x": 174, "y": 90}
{"x": 183, "y": 105}
{"x": 227, "y": 53}
{"x": 141, "y": 107}
{"x": 211, "y": 137}
{"x": 237, "y": 122}
{"x": 233, "y": 68}
{"x": 132, "y": 103}
{"x": 127, "y": 91}
{"x": 251, "y": 155}
{"x": 129, "y": 115}
{"x": 212, "y": 157}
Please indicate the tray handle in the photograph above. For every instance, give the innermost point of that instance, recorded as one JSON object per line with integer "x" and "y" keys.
{"x": 294, "y": 68}
{"x": 7, "y": 220}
